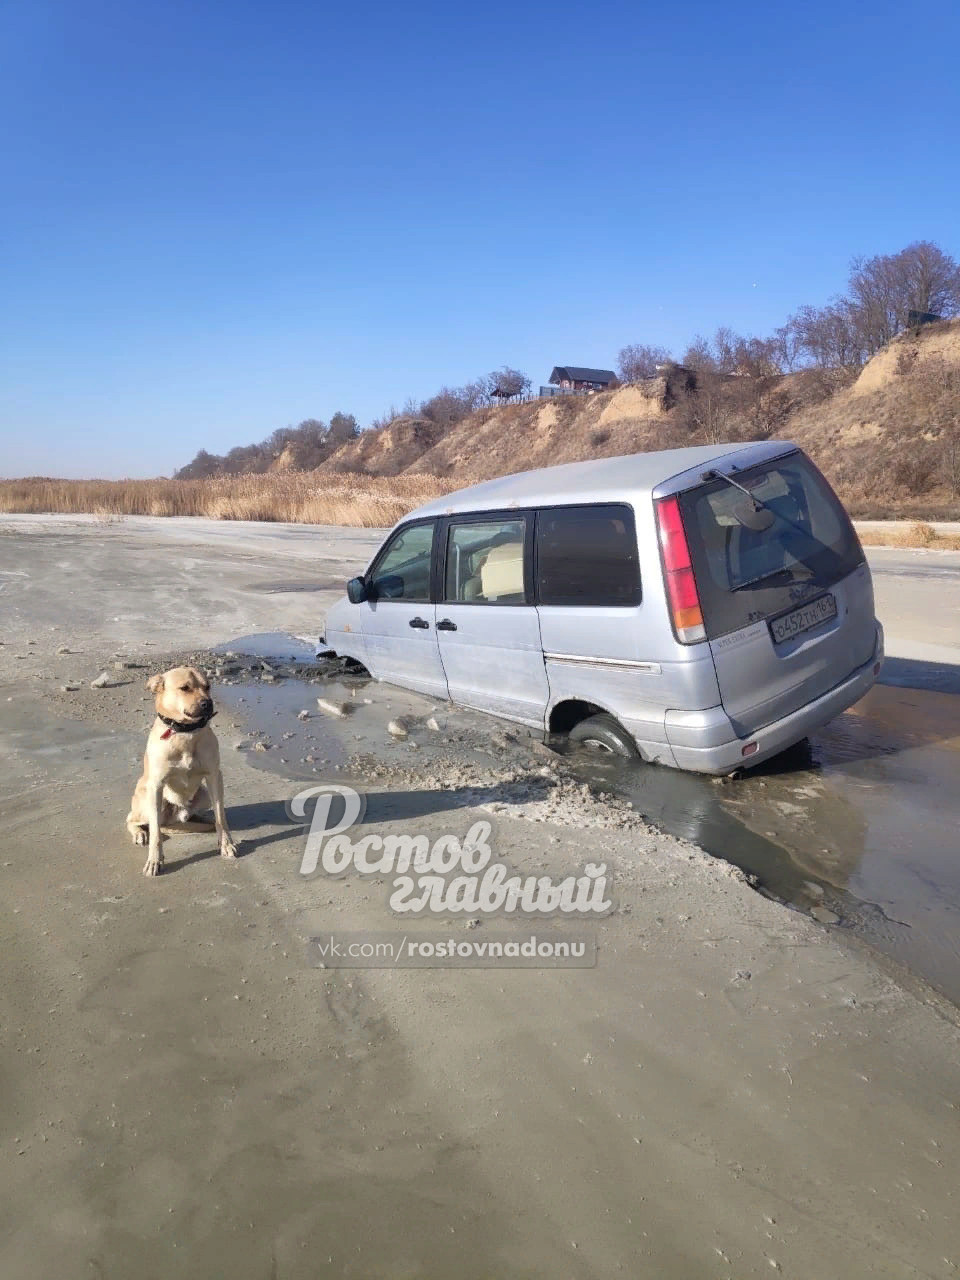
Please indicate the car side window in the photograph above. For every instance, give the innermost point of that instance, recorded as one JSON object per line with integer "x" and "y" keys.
{"x": 587, "y": 556}
{"x": 485, "y": 562}
{"x": 402, "y": 570}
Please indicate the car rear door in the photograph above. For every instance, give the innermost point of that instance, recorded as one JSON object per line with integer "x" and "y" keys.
{"x": 487, "y": 626}
{"x": 398, "y": 618}
{"x": 788, "y": 609}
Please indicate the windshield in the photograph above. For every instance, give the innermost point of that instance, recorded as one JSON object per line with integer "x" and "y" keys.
{"x": 747, "y": 573}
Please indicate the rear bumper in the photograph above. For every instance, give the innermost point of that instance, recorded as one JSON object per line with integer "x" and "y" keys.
{"x": 705, "y": 742}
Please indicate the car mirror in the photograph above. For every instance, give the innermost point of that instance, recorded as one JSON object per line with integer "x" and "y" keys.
{"x": 357, "y": 591}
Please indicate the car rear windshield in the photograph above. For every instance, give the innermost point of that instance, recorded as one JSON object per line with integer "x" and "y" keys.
{"x": 745, "y": 572}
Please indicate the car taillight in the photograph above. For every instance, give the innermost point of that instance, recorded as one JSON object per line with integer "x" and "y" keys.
{"x": 678, "y": 573}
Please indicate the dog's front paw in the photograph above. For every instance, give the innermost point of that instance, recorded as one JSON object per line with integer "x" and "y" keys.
{"x": 140, "y": 836}
{"x": 153, "y": 866}
{"x": 227, "y": 847}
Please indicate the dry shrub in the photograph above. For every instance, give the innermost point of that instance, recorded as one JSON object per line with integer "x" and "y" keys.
{"x": 919, "y": 534}
{"x": 915, "y": 471}
{"x": 923, "y": 534}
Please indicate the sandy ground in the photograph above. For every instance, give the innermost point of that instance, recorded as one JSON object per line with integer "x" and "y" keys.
{"x": 729, "y": 1092}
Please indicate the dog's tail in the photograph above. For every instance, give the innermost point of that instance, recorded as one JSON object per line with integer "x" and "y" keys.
{"x": 193, "y": 826}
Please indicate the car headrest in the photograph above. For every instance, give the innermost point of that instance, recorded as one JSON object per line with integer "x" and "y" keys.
{"x": 502, "y": 572}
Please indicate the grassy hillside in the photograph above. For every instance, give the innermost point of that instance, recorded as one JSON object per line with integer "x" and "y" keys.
{"x": 890, "y": 442}
{"x": 888, "y": 439}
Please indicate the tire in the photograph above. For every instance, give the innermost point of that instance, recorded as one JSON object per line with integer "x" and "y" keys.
{"x": 603, "y": 734}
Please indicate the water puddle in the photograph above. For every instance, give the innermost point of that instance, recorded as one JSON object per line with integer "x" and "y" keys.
{"x": 319, "y": 743}
{"x": 862, "y": 822}
{"x": 289, "y": 733}
{"x": 274, "y": 646}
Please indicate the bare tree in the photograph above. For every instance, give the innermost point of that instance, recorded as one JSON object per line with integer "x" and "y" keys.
{"x": 699, "y": 356}
{"x": 726, "y": 344}
{"x": 640, "y": 361}
{"x": 755, "y": 357}
{"x": 730, "y": 353}
{"x": 445, "y": 408}
{"x": 278, "y": 440}
{"x": 312, "y": 431}
{"x": 204, "y": 464}
{"x": 302, "y": 448}
{"x": 932, "y": 279}
{"x": 507, "y": 384}
{"x": 308, "y": 445}
{"x": 451, "y": 405}
{"x": 343, "y": 427}
{"x": 833, "y": 336}
{"x": 883, "y": 290}
{"x": 787, "y": 347}
{"x": 875, "y": 300}
{"x": 247, "y": 459}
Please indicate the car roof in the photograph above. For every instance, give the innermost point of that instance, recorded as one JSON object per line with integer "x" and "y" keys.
{"x": 624, "y": 479}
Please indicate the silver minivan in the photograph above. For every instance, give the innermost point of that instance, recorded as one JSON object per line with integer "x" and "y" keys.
{"x": 704, "y": 608}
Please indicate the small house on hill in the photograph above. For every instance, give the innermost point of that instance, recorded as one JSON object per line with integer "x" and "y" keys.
{"x": 917, "y": 318}
{"x": 573, "y": 378}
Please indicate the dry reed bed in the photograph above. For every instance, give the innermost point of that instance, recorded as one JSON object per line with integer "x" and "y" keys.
{"x": 345, "y": 498}
{"x": 295, "y": 497}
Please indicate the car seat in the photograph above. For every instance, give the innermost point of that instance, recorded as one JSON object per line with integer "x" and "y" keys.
{"x": 495, "y": 570}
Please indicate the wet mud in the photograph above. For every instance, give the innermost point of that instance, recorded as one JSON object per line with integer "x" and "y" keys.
{"x": 857, "y": 827}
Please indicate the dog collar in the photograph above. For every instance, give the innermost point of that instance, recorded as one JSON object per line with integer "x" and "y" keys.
{"x": 180, "y": 726}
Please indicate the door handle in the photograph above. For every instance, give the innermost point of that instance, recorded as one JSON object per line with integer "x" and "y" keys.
{"x": 420, "y": 623}
{"x": 446, "y": 625}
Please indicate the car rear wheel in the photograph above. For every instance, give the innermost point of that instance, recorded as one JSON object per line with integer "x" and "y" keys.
{"x": 601, "y": 733}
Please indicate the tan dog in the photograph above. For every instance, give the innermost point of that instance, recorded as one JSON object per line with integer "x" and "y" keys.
{"x": 181, "y": 768}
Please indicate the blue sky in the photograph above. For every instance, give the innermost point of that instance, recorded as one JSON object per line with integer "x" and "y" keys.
{"x": 221, "y": 218}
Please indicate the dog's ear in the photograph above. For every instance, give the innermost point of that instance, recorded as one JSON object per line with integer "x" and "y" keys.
{"x": 155, "y": 684}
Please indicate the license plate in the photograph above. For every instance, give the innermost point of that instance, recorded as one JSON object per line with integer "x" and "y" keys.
{"x": 805, "y": 618}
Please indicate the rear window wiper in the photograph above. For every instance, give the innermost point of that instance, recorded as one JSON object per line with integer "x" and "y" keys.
{"x": 719, "y": 475}
{"x": 758, "y": 516}
{"x": 762, "y": 516}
